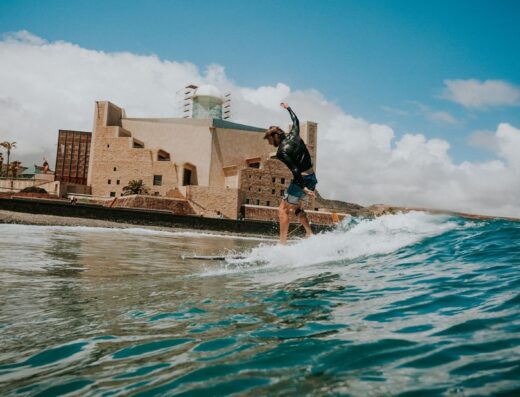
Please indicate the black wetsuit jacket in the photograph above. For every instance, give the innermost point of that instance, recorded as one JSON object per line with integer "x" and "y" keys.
{"x": 293, "y": 152}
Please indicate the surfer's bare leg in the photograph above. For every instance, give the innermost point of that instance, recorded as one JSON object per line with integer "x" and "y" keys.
{"x": 283, "y": 214}
{"x": 302, "y": 217}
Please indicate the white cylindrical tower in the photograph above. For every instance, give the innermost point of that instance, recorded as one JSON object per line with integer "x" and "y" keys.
{"x": 207, "y": 103}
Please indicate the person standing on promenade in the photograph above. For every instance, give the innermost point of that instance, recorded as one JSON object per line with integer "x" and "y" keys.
{"x": 293, "y": 152}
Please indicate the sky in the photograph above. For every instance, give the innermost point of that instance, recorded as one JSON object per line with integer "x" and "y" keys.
{"x": 417, "y": 102}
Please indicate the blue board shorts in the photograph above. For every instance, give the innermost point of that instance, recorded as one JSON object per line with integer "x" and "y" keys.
{"x": 295, "y": 193}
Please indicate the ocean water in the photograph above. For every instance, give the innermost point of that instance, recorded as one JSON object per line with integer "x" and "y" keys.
{"x": 402, "y": 305}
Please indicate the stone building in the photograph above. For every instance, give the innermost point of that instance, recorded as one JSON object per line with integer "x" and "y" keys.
{"x": 215, "y": 164}
{"x": 72, "y": 156}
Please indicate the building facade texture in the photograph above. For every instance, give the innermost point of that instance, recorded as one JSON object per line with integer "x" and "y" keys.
{"x": 72, "y": 156}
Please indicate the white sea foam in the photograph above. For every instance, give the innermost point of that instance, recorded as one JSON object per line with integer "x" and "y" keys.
{"x": 352, "y": 239}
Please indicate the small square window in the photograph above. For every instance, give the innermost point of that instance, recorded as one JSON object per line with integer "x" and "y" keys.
{"x": 108, "y": 145}
{"x": 273, "y": 191}
{"x": 117, "y": 182}
{"x": 112, "y": 194}
{"x": 257, "y": 202}
{"x": 115, "y": 169}
{"x": 274, "y": 179}
{"x": 157, "y": 180}
{"x": 282, "y": 180}
{"x": 109, "y": 181}
{"x": 259, "y": 189}
{"x": 247, "y": 201}
{"x": 281, "y": 192}
{"x": 268, "y": 203}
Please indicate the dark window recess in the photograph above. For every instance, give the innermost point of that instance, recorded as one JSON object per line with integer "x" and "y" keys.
{"x": 268, "y": 203}
{"x": 121, "y": 194}
{"x": 108, "y": 145}
{"x": 163, "y": 156}
{"x": 112, "y": 194}
{"x": 156, "y": 193}
{"x": 259, "y": 189}
{"x": 186, "y": 178}
{"x": 117, "y": 182}
{"x": 109, "y": 181}
{"x": 249, "y": 188}
{"x": 247, "y": 201}
{"x": 157, "y": 180}
{"x": 254, "y": 165}
{"x": 138, "y": 145}
{"x": 257, "y": 202}
{"x": 281, "y": 192}
{"x": 273, "y": 191}
{"x": 115, "y": 169}
{"x": 250, "y": 176}
{"x": 282, "y": 180}
{"x": 274, "y": 179}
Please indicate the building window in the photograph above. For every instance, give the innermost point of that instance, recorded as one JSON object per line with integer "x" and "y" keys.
{"x": 254, "y": 165}
{"x": 163, "y": 156}
{"x": 257, "y": 202}
{"x": 250, "y": 176}
{"x": 281, "y": 192}
{"x": 247, "y": 201}
{"x": 117, "y": 182}
{"x": 109, "y": 181}
{"x": 274, "y": 179}
{"x": 112, "y": 194}
{"x": 157, "y": 180}
{"x": 108, "y": 145}
{"x": 186, "y": 178}
{"x": 268, "y": 203}
{"x": 138, "y": 144}
{"x": 115, "y": 169}
{"x": 282, "y": 180}
{"x": 273, "y": 191}
{"x": 259, "y": 189}
{"x": 155, "y": 193}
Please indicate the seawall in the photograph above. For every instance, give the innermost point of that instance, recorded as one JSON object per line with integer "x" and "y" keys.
{"x": 146, "y": 217}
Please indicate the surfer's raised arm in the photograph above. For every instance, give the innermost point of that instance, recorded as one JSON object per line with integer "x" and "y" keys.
{"x": 295, "y": 130}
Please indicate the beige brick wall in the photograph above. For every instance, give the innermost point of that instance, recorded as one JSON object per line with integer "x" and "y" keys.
{"x": 271, "y": 214}
{"x": 177, "y": 206}
{"x": 208, "y": 200}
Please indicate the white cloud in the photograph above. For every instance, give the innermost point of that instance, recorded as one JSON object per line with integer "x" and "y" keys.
{"x": 440, "y": 117}
{"x": 48, "y": 86}
{"x": 481, "y": 94}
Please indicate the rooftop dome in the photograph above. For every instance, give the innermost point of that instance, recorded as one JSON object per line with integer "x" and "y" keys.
{"x": 207, "y": 90}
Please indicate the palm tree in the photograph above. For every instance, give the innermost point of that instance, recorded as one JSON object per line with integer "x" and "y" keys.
{"x": 135, "y": 187}
{"x": 8, "y": 146}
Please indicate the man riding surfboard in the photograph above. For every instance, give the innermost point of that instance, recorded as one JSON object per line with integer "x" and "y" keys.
{"x": 293, "y": 152}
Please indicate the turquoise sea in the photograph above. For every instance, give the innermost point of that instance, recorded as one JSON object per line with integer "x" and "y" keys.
{"x": 402, "y": 305}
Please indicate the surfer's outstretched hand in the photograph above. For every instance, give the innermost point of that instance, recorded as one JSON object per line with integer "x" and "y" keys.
{"x": 285, "y": 105}
{"x": 309, "y": 192}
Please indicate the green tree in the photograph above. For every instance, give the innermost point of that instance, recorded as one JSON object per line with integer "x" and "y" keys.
{"x": 135, "y": 187}
{"x": 14, "y": 168}
{"x": 8, "y": 146}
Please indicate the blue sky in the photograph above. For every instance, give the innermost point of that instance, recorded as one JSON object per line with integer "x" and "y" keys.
{"x": 400, "y": 82}
{"x": 385, "y": 61}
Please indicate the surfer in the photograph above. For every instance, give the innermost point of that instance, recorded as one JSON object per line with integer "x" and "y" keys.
{"x": 293, "y": 152}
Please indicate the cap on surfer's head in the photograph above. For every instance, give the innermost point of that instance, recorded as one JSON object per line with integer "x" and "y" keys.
{"x": 273, "y": 130}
